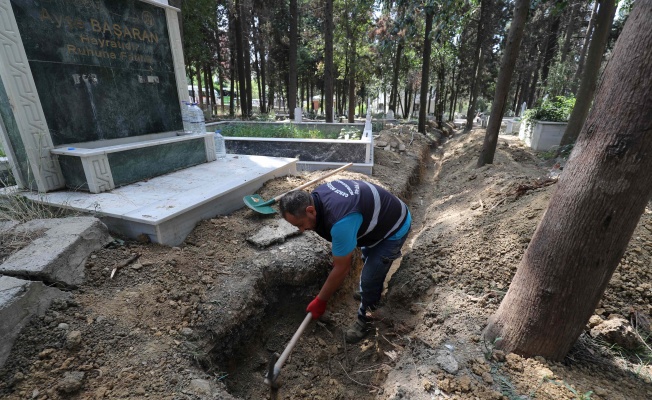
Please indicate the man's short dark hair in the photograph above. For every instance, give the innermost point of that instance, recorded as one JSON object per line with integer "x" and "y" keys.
{"x": 295, "y": 203}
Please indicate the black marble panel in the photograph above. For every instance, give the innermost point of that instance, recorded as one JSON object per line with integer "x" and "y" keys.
{"x": 11, "y": 129}
{"x": 103, "y": 68}
{"x": 73, "y": 172}
{"x": 304, "y": 151}
{"x": 138, "y": 164}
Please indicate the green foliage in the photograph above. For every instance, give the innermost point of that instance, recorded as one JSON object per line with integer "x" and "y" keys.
{"x": 2, "y": 151}
{"x": 288, "y": 131}
{"x": 555, "y": 110}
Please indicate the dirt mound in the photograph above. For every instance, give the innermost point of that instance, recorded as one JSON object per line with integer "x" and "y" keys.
{"x": 200, "y": 320}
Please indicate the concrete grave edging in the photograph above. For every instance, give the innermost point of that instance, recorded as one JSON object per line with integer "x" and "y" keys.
{"x": 59, "y": 255}
{"x": 19, "y": 301}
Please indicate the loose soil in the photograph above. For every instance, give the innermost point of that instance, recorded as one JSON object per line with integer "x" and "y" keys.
{"x": 201, "y": 320}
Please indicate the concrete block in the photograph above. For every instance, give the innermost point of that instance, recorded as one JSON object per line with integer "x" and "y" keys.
{"x": 20, "y": 300}
{"x": 58, "y": 256}
{"x": 276, "y": 232}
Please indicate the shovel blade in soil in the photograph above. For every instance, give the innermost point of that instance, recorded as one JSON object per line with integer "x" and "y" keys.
{"x": 258, "y": 204}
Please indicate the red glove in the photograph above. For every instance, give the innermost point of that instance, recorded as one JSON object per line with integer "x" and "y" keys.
{"x": 316, "y": 307}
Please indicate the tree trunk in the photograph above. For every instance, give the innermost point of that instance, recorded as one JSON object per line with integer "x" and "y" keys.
{"x": 590, "y": 77}
{"x": 294, "y": 44}
{"x": 477, "y": 65}
{"x": 507, "y": 65}
{"x": 593, "y": 213}
{"x": 532, "y": 91}
{"x": 271, "y": 94}
{"x": 425, "y": 70}
{"x": 352, "y": 96}
{"x": 453, "y": 95}
{"x": 585, "y": 46}
{"x": 570, "y": 30}
{"x": 328, "y": 60}
{"x": 551, "y": 49}
{"x": 231, "y": 90}
{"x": 516, "y": 89}
{"x": 393, "y": 94}
{"x": 441, "y": 96}
{"x": 246, "y": 53}
{"x": 199, "y": 86}
{"x": 240, "y": 59}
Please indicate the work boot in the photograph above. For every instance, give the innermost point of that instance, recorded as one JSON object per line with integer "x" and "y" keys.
{"x": 357, "y": 331}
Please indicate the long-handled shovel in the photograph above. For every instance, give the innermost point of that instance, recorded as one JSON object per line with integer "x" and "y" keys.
{"x": 258, "y": 204}
{"x": 275, "y": 364}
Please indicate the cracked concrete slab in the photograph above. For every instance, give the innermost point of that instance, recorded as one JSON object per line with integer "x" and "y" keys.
{"x": 276, "y": 232}
{"x": 58, "y": 255}
{"x": 20, "y": 300}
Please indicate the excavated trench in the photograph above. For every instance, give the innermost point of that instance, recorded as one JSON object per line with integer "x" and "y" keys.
{"x": 257, "y": 313}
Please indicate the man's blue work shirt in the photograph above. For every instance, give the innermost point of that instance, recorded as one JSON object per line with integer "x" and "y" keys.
{"x": 344, "y": 233}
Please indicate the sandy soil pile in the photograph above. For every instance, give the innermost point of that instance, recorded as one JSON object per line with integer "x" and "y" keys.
{"x": 200, "y": 320}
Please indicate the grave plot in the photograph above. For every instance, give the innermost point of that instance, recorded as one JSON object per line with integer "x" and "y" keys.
{"x": 316, "y": 145}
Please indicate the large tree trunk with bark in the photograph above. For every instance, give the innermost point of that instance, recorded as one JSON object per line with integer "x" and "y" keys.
{"x": 328, "y": 59}
{"x": 425, "y": 70}
{"x": 591, "y": 217}
{"x": 504, "y": 80}
{"x": 294, "y": 45}
{"x": 590, "y": 77}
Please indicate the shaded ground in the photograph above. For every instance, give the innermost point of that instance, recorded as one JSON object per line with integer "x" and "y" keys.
{"x": 200, "y": 320}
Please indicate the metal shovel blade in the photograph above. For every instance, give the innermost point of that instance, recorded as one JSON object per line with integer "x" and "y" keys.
{"x": 258, "y": 204}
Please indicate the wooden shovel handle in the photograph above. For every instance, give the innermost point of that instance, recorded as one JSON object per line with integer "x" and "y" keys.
{"x": 305, "y": 185}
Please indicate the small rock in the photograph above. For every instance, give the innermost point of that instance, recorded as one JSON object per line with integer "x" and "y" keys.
{"x": 100, "y": 319}
{"x": 600, "y": 391}
{"x": 63, "y": 326}
{"x": 498, "y": 355}
{"x": 447, "y": 362}
{"x": 200, "y": 387}
{"x": 464, "y": 384}
{"x": 544, "y": 372}
{"x": 140, "y": 391}
{"x": 71, "y": 382}
{"x": 616, "y": 330}
{"x": 514, "y": 362}
{"x": 594, "y": 321}
{"x": 18, "y": 376}
{"x": 46, "y": 353}
{"x": 73, "y": 340}
{"x": 487, "y": 378}
{"x": 187, "y": 332}
{"x": 143, "y": 238}
{"x": 137, "y": 267}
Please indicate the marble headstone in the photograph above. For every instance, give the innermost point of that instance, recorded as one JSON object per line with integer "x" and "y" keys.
{"x": 103, "y": 69}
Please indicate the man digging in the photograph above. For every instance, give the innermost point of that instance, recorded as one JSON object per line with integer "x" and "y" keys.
{"x": 351, "y": 213}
